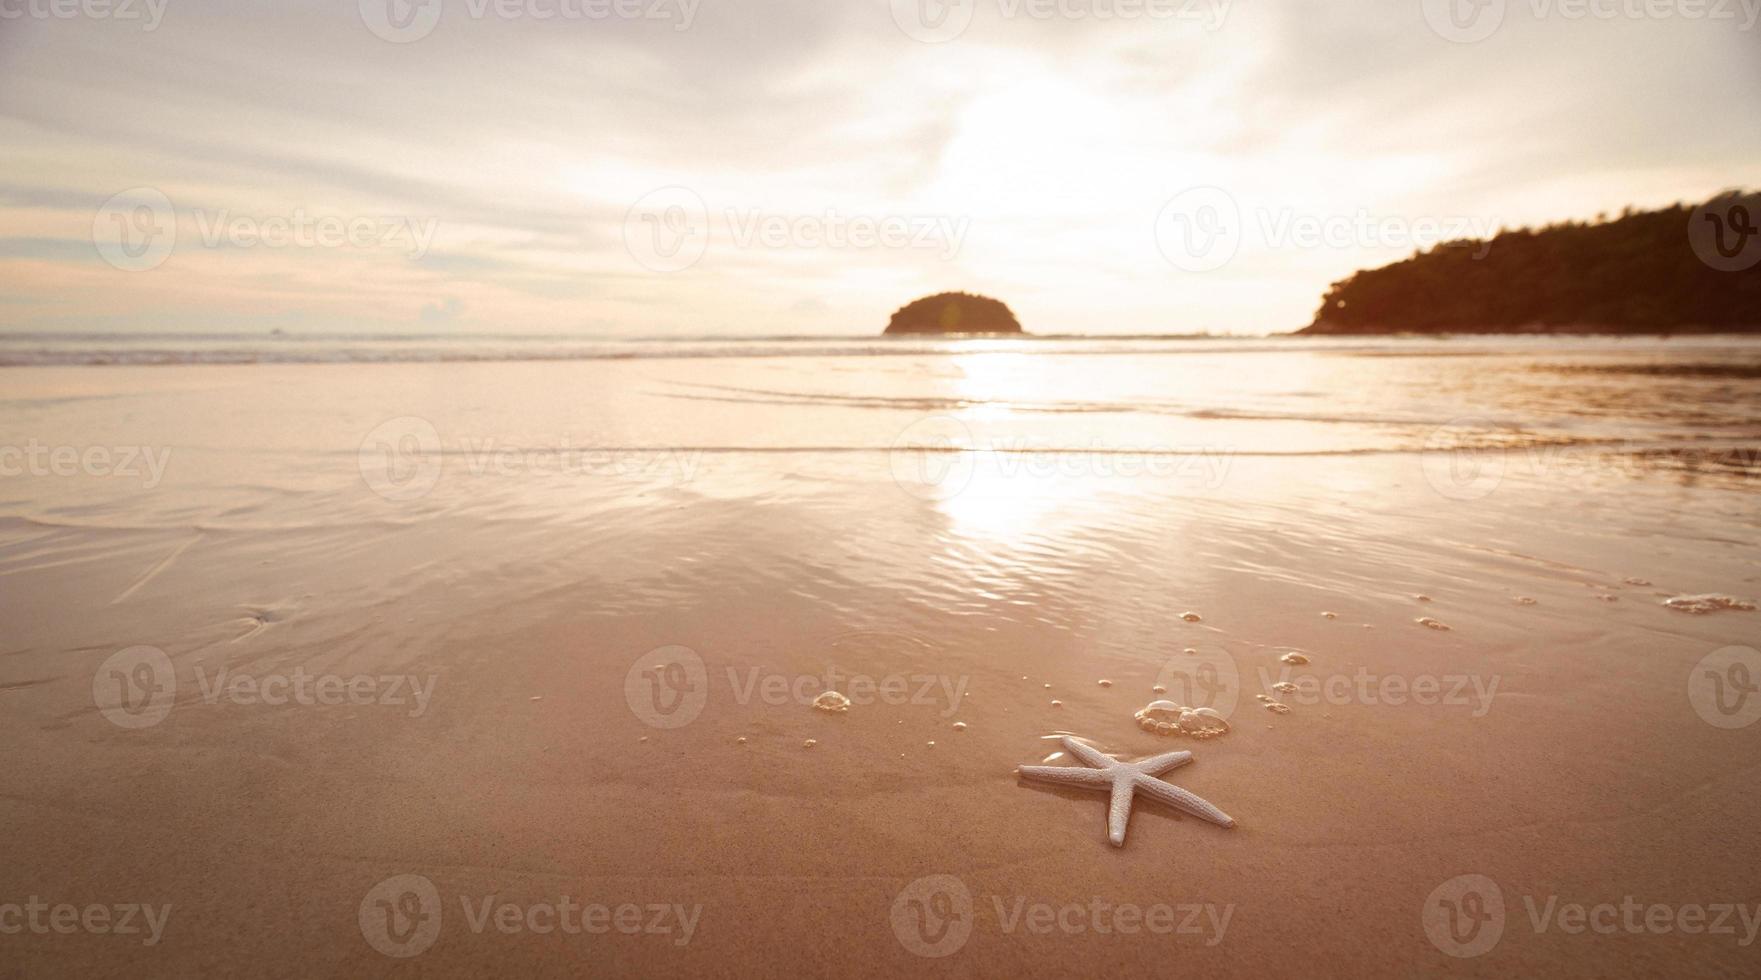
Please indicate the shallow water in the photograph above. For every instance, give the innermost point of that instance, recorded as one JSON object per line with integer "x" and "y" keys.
{"x": 995, "y": 526}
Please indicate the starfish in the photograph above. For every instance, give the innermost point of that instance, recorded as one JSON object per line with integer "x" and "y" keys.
{"x": 1126, "y": 780}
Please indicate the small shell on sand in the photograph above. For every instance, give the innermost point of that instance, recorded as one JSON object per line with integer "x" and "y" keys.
{"x": 1421, "y": 597}
{"x": 1284, "y": 687}
{"x": 959, "y": 726}
{"x": 1159, "y": 689}
{"x": 810, "y": 743}
{"x": 1104, "y": 682}
{"x": 1047, "y": 686}
{"x": 1609, "y": 598}
{"x": 831, "y": 701}
{"x": 1294, "y": 659}
{"x": 1168, "y": 718}
{"x": 1633, "y": 580}
{"x": 1328, "y": 615}
{"x": 1190, "y": 617}
{"x": 1277, "y": 707}
{"x": 1057, "y": 704}
{"x": 1431, "y": 624}
{"x": 1701, "y": 604}
{"x": 930, "y": 744}
{"x": 1190, "y": 651}
{"x": 740, "y": 741}
{"x": 1524, "y": 600}
{"x": 643, "y": 739}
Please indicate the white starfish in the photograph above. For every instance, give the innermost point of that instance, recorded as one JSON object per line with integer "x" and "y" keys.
{"x": 1126, "y": 779}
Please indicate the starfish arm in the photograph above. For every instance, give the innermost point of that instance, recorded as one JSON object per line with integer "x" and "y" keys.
{"x": 1119, "y": 814}
{"x": 1087, "y": 754}
{"x": 1155, "y": 765}
{"x": 1176, "y": 797}
{"x": 1067, "y": 775}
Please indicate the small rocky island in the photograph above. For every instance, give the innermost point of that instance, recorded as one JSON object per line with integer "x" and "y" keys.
{"x": 954, "y": 313}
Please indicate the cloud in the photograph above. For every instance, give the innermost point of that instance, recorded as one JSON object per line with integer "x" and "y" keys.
{"x": 529, "y": 139}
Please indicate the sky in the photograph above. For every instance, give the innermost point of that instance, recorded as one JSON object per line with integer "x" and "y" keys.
{"x": 686, "y": 168}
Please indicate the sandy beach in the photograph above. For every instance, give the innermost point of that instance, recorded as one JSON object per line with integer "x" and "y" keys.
{"x": 508, "y": 666}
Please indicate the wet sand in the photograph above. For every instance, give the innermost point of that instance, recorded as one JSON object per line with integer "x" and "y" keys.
{"x": 492, "y": 709}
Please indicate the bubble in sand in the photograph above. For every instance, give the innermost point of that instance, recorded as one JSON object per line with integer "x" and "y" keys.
{"x": 831, "y": 701}
{"x": 931, "y": 745}
{"x": 1284, "y": 687}
{"x": 1190, "y": 617}
{"x": 1168, "y": 718}
{"x": 810, "y": 743}
{"x": 959, "y": 726}
{"x": 1294, "y": 659}
{"x": 1159, "y": 689}
{"x": 1431, "y": 624}
{"x": 1701, "y": 604}
{"x": 1328, "y": 615}
{"x": 1631, "y": 580}
{"x": 1609, "y": 598}
{"x": 1277, "y": 707}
